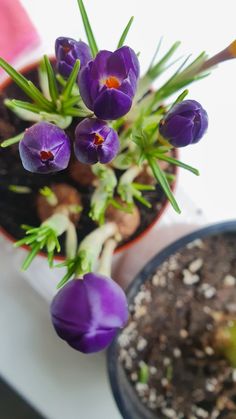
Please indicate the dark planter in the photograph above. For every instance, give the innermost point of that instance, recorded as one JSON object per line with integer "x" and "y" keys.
{"x": 125, "y": 396}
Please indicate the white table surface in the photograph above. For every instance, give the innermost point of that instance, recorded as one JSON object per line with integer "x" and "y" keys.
{"x": 58, "y": 381}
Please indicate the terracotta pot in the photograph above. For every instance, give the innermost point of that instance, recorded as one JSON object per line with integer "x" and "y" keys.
{"x": 42, "y": 278}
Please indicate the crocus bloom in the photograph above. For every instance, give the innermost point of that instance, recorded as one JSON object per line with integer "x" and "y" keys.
{"x": 108, "y": 83}
{"x": 95, "y": 141}
{"x": 184, "y": 124}
{"x": 88, "y": 312}
{"x": 68, "y": 51}
{"x": 45, "y": 148}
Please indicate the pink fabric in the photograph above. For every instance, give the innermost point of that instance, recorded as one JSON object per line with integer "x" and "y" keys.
{"x": 17, "y": 33}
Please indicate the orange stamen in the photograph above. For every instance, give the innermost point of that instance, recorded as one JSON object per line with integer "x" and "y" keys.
{"x": 98, "y": 139}
{"x": 46, "y": 155}
{"x": 66, "y": 48}
{"x": 112, "y": 82}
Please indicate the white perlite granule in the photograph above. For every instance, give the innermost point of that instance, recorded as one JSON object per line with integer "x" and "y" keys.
{"x": 195, "y": 265}
{"x": 229, "y": 281}
{"x": 142, "y": 343}
{"x": 189, "y": 278}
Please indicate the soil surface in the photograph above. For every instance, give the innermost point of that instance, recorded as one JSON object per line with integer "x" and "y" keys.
{"x": 168, "y": 348}
{"x": 17, "y": 209}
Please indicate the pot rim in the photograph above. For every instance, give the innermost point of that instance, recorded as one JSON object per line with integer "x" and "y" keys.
{"x": 144, "y": 275}
{"x": 121, "y": 248}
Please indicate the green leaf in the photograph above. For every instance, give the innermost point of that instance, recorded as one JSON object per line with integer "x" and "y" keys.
{"x": 32, "y": 254}
{"x": 27, "y": 86}
{"x": 143, "y": 372}
{"x": 180, "y": 98}
{"x": 178, "y": 163}
{"x": 71, "y": 81}
{"x": 14, "y": 103}
{"x": 52, "y": 82}
{"x": 19, "y": 189}
{"x": 12, "y": 140}
{"x": 125, "y": 33}
{"x": 161, "y": 178}
{"x": 158, "y": 68}
{"x": 88, "y": 29}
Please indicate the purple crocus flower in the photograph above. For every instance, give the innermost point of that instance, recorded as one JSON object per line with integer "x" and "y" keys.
{"x": 95, "y": 141}
{"x": 45, "y": 148}
{"x": 108, "y": 83}
{"x": 68, "y": 51}
{"x": 88, "y": 312}
{"x": 184, "y": 124}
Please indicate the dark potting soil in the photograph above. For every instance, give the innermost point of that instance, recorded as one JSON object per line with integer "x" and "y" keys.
{"x": 17, "y": 209}
{"x": 167, "y": 348}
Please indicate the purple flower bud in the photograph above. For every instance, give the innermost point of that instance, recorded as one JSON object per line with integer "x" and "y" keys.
{"x": 184, "y": 124}
{"x": 109, "y": 82}
{"x": 45, "y": 148}
{"x": 68, "y": 51}
{"x": 95, "y": 142}
{"x": 88, "y": 312}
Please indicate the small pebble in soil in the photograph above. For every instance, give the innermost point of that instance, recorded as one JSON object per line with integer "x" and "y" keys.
{"x": 229, "y": 281}
{"x": 189, "y": 278}
{"x": 142, "y": 343}
{"x": 196, "y": 243}
{"x": 177, "y": 352}
{"x": 207, "y": 290}
{"x": 196, "y": 265}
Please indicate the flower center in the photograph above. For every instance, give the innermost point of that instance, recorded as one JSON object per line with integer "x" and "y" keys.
{"x": 98, "y": 139}
{"x": 46, "y": 156}
{"x": 112, "y": 82}
{"x": 66, "y": 48}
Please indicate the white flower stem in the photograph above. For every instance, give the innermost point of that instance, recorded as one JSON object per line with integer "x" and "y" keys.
{"x": 130, "y": 174}
{"x": 57, "y": 222}
{"x": 92, "y": 245}
{"x": 105, "y": 261}
{"x": 71, "y": 241}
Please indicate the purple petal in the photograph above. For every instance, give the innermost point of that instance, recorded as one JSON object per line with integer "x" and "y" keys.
{"x": 112, "y": 104}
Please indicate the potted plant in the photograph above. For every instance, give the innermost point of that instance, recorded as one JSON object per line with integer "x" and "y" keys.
{"x": 89, "y": 151}
{"x": 176, "y": 358}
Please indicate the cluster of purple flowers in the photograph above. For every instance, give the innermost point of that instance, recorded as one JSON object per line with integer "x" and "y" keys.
{"x": 107, "y": 85}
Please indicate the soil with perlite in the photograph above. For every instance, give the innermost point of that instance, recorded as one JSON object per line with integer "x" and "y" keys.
{"x": 17, "y": 209}
{"x": 167, "y": 348}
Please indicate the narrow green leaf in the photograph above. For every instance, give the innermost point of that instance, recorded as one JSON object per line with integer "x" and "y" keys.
{"x": 141, "y": 187}
{"x": 155, "y": 54}
{"x": 52, "y": 82}
{"x": 27, "y": 86}
{"x": 143, "y": 372}
{"x": 19, "y": 189}
{"x": 88, "y": 29}
{"x": 82, "y": 113}
{"x": 23, "y": 105}
{"x": 158, "y": 68}
{"x": 74, "y": 100}
{"x": 71, "y": 81}
{"x": 32, "y": 254}
{"x": 180, "y": 98}
{"x": 12, "y": 140}
{"x": 161, "y": 178}
{"x": 125, "y": 33}
{"x": 38, "y": 97}
{"x": 178, "y": 163}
